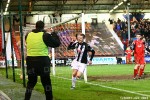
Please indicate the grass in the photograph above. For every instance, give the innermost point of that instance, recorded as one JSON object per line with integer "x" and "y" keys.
{"x": 99, "y": 88}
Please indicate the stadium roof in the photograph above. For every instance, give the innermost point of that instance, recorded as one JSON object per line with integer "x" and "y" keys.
{"x": 76, "y": 6}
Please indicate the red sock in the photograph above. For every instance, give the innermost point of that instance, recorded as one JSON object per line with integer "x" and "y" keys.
{"x": 135, "y": 72}
{"x": 141, "y": 72}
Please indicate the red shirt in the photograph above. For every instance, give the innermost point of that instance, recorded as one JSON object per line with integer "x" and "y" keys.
{"x": 129, "y": 53}
{"x": 139, "y": 48}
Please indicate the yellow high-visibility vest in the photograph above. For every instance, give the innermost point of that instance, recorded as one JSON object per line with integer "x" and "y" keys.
{"x": 36, "y": 45}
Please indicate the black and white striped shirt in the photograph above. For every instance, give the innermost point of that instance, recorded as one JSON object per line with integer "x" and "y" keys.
{"x": 81, "y": 51}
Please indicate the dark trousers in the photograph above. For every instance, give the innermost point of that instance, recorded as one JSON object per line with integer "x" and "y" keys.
{"x": 38, "y": 66}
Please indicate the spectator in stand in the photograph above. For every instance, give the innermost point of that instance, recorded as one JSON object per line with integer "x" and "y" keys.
{"x": 137, "y": 30}
{"x": 146, "y": 32}
{"x": 143, "y": 26}
{"x": 132, "y": 34}
{"x": 115, "y": 26}
{"x": 148, "y": 50}
{"x": 118, "y": 27}
{"x": 118, "y": 21}
{"x": 124, "y": 34}
{"x": 126, "y": 24}
{"x": 123, "y": 25}
{"x": 142, "y": 30}
{"x": 132, "y": 26}
{"x": 136, "y": 24}
{"x": 149, "y": 32}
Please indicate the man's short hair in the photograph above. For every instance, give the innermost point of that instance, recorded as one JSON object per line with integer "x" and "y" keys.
{"x": 138, "y": 33}
{"x": 81, "y": 34}
{"x": 40, "y": 25}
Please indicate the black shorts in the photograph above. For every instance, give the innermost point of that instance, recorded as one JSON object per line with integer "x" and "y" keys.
{"x": 38, "y": 65}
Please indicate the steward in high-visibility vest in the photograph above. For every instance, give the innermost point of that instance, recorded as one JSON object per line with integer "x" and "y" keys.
{"x": 35, "y": 45}
{"x": 38, "y": 61}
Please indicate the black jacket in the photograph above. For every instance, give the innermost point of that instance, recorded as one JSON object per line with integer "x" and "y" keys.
{"x": 50, "y": 40}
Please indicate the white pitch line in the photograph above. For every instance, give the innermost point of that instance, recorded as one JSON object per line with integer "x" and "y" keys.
{"x": 143, "y": 91}
{"x": 4, "y": 95}
{"x": 132, "y": 92}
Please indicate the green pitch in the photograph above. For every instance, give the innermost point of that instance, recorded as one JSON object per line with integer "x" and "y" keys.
{"x": 105, "y": 82}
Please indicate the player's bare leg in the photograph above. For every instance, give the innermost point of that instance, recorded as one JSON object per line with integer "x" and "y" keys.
{"x": 127, "y": 61}
{"x": 130, "y": 61}
{"x": 144, "y": 68}
{"x": 79, "y": 74}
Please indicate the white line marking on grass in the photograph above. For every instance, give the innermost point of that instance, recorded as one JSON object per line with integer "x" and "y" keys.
{"x": 108, "y": 87}
{"x": 143, "y": 91}
{"x": 132, "y": 92}
{"x": 3, "y": 95}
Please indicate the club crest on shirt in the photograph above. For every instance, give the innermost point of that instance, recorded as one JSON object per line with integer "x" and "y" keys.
{"x": 139, "y": 45}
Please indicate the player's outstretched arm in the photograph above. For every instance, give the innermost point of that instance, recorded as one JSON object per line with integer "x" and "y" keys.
{"x": 92, "y": 53}
{"x": 72, "y": 45}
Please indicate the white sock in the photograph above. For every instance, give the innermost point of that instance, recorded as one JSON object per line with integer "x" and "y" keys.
{"x": 73, "y": 81}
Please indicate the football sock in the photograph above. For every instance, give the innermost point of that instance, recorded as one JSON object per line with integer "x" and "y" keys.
{"x": 135, "y": 72}
{"x": 138, "y": 69}
{"x": 73, "y": 81}
{"x": 141, "y": 72}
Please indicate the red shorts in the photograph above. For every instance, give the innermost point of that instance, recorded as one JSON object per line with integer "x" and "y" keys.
{"x": 128, "y": 57}
{"x": 139, "y": 59}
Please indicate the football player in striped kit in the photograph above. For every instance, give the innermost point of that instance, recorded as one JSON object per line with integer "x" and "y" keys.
{"x": 82, "y": 49}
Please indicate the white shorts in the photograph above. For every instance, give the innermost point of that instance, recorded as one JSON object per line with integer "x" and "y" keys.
{"x": 78, "y": 66}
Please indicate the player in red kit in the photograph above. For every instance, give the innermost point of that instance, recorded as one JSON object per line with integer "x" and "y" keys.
{"x": 128, "y": 53}
{"x": 139, "y": 53}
